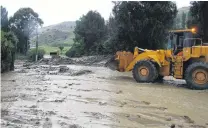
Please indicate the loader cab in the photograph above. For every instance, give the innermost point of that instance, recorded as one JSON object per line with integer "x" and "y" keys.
{"x": 182, "y": 43}
{"x": 179, "y": 39}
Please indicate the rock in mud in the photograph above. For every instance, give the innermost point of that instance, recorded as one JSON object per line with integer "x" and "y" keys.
{"x": 70, "y": 84}
{"x": 97, "y": 115}
{"x": 26, "y": 65}
{"x": 47, "y": 123}
{"x": 33, "y": 106}
{"x": 74, "y": 126}
{"x": 22, "y": 71}
{"x": 81, "y": 72}
{"x": 168, "y": 119}
{"x": 59, "y": 100}
{"x": 188, "y": 119}
{"x": 52, "y": 68}
{"x": 172, "y": 126}
{"x": 146, "y": 103}
{"x": 119, "y": 92}
{"x": 4, "y": 112}
{"x": 53, "y": 72}
{"x": 51, "y": 113}
{"x": 45, "y": 61}
{"x": 102, "y": 103}
{"x": 63, "y": 69}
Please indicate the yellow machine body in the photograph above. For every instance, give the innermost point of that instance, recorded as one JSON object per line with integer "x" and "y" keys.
{"x": 167, "y": 62}
{"x": 127, "y": 60}
{"x": 193, "y": 53}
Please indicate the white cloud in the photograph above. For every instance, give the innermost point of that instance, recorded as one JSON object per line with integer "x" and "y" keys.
{"x": 56, "y": 11}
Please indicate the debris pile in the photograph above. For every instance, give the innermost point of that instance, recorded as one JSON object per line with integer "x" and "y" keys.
{"x": 86, "y": 60}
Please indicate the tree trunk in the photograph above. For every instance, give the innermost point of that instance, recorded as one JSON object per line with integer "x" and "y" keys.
{"x": 12, "y": 61}
{"x": 26, "y": 47}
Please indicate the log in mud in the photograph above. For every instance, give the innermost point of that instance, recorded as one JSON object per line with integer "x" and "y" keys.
{"x": 77, "y": 96}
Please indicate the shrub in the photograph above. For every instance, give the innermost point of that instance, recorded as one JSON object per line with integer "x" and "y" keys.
{"x": 70, "y": 53}
{"x": 76, "y": 50}
{"x": 60, "y": 44}
{"x": 32, "y": 54}
{"x": 61, "y": 48}
{"x": 8, "y": 46}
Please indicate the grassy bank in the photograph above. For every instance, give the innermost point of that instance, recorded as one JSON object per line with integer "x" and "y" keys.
{"x": 49, "y": 49}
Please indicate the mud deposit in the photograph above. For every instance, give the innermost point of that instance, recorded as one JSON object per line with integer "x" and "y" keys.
{"x": 71, "y": 96}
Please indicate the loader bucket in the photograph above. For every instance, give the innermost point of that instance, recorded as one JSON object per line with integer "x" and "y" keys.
{"x": 120, "y": 61}
{"x": 112, "y": 63}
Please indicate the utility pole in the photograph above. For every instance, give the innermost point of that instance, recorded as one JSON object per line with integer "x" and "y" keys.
{"x": 36, "y": 56}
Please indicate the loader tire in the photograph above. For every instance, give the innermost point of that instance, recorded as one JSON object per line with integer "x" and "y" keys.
{"x": 196, "y": 76}
{"x": 144, "y": 71}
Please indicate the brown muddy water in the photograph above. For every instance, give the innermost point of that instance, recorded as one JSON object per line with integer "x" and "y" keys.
{"x": 43, "y": 96}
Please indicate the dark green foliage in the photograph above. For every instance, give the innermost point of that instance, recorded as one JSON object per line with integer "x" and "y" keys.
{"x": 32, "y": 54}
{"x": 71, "y": 52}
{"x": 4, "y": 19}
{"x": 89, "y": 31}
{"x": 61, "y": 48}
{"x": 76, "y": 50}
{"x": 142, "y": 24}
{"x": 111, "y": 44}
{"x": 199, "y": 17}
{"x": 8, "y": 45}
{"x": 23, "y": 23}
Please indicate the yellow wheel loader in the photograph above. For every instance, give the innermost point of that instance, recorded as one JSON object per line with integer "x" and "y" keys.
{"x": 186, "y": 57}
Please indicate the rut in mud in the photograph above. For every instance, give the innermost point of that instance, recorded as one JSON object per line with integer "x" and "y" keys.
{"x": 72, "y": 96}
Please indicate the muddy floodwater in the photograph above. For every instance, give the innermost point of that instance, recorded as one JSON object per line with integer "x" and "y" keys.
{"x": 72, "y": 96}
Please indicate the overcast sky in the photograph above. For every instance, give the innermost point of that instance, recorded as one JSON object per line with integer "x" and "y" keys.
{"x": 56, "y": 11}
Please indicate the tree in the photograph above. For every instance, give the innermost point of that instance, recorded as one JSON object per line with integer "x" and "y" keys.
{"x": 61, "y": 48}
{"x": 183, "y": 20}
{"x": 23, "y": 23}
{"x": 4, "y": 19}
{"x": 89, "y": 31}
{"x": 142, "y": 23}
{"x": 8, "y": 47}
{"x": 8, "y": 43}
{"x": 199, "y": 13}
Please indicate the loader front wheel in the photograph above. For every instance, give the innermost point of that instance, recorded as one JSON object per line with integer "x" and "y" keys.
{"x": 196, "y": 75}
{"x": 144, "y": 71}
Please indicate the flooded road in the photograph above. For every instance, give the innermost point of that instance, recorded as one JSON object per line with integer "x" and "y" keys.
{"x": 43, "y": 96}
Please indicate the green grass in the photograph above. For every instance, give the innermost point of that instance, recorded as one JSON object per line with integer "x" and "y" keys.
{"x": 49, "y": 49}
{"x": 69, "y": 42}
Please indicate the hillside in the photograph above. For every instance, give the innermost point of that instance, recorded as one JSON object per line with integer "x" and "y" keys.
{"x": 55, "y": 35}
